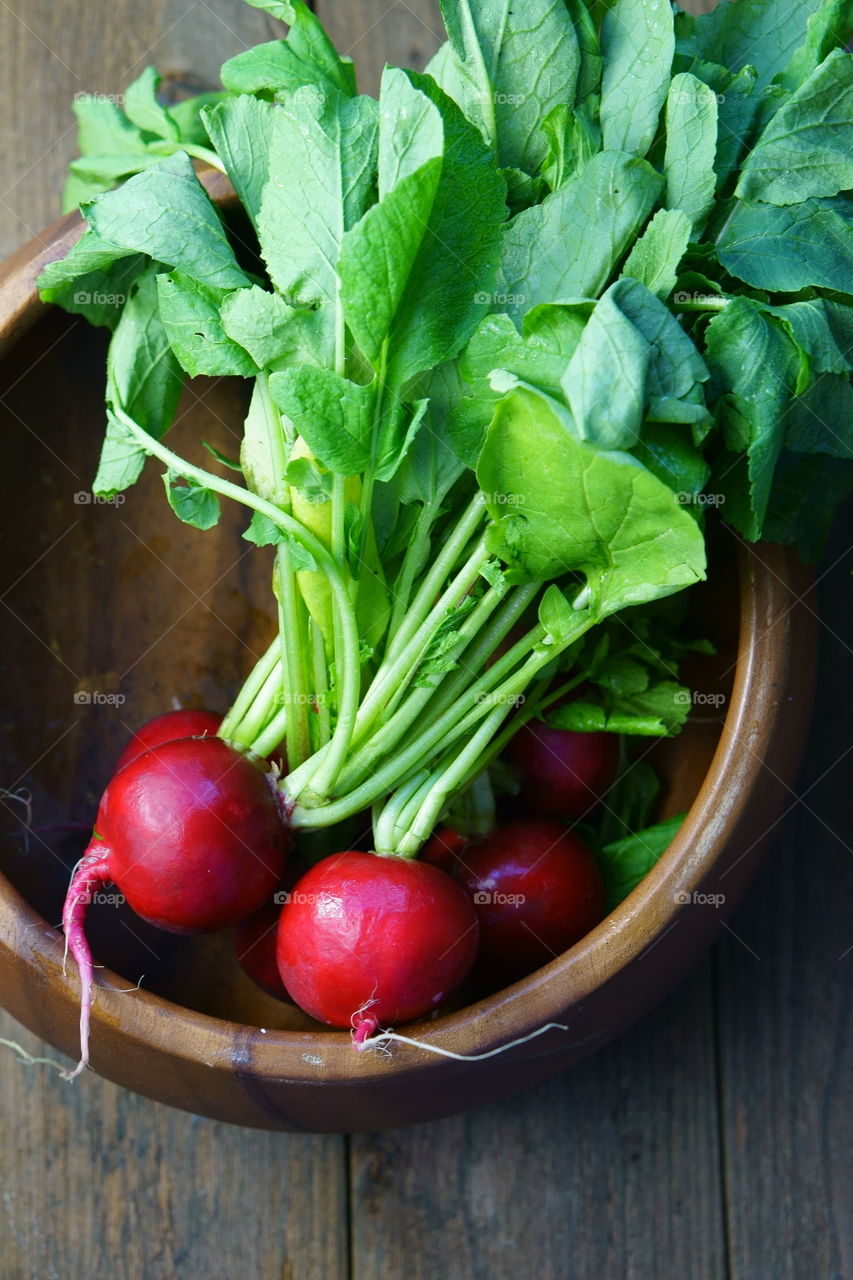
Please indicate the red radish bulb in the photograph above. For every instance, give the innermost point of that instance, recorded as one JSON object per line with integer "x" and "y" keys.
{"x": 255, "y": 947}
{"x": 443, "y": 848}
{"x": 536, "y": 889}
{"x": 190, "y": 834}
{"x": 367, "y": 940}
{"x": 168, "y": 727}
{"x": 564, "y": 774}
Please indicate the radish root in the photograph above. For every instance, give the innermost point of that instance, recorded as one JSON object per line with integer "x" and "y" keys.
{"x": 90, "y": 874}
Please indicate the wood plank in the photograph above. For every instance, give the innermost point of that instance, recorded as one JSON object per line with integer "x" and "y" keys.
{"x": 784, "y": 1022}
{"x": 610, "y": 1169}
{"x": 49, "y": 52}
{"x": 101, "y": 1182}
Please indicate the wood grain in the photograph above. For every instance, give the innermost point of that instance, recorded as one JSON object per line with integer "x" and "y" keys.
{"x": 785, "y": 1006}
{"x": 611, "y": 1169}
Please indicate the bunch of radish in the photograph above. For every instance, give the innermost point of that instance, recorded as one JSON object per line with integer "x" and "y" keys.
{"x": 507, "y": 335}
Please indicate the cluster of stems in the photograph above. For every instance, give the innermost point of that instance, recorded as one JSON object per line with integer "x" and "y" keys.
{"x": 395, "y": 736}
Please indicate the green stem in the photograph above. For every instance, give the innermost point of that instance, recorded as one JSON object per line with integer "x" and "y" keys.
{"x": 395, "y": 725}
{"x": 273, "y": 735}
{"x": 167, "y": 148}
{"x": 443, "y": 565}
{"x": 346, "y": 660}
{"x": 321, "y": 683}
{"x": 267, "y": 704}
{"x": 435, "y": 801}
{"x": 417, "y": 554}
{"x": 250, "y": 690}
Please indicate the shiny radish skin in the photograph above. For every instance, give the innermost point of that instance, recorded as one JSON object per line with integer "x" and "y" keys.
{"x": 167, "y": 728}
{"x": 537, "y": 890}
{"x": 190, "y": 834}
{"x": 255, "y": 949}
{"x": 369, "y": 941}
{"x": 564, "y": 774}
{"x": 444, "y": 848}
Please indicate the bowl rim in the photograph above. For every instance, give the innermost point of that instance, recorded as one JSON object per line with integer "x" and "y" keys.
{"x": 518, "y": 1011}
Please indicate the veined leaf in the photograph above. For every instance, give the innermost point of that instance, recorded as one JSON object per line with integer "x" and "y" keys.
{"x": 637, "y": 41}
{"x": 691, "y": 146}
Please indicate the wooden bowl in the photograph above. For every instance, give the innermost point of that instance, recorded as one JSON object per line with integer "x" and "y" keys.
{"x": 113, "y": 610}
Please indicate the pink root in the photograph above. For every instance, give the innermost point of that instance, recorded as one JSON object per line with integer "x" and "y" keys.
{"x": 364, "y": 1025}
{"x": 90, "y": 874}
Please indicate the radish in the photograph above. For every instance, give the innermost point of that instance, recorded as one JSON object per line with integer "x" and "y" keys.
{"x": 255, "y": 949}
{"x": 564, "y": 774}
{"x": 536, "y": 889}
{"x": 190, "y": 834}
{"x": 443, "y": 849}
{"x": 367, "y": 940}
{"x": 166, "y": 728}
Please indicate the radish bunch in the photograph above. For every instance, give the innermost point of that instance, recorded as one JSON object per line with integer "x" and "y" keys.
{"x": 510, "y": 340}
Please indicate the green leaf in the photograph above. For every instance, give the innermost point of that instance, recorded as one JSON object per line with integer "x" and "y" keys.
{"x": 93, "y": 280}
{"x": 191, "y": 502}
{"x": 630, "y": 801}
{"x": 568, "y": 246}
{"x": 674, "y": 459}
{"x": 652, "y": 711}
{"x": 739, "y": 109}
{"x": 333, "y": 416}
{"x": 655, "y": 257}
{"x": 275, "y": 334}
{"x": 626, "y": 862}
{"x": 606, "y": 381}
{"x": 306, "y": 58}
{"x": 823, "y": 329}
{"x": 166, "y": 213}
{"x": 143, "y": 376}
{"x": 786, "y": 249}
{"x": 821, "y": 419}
{"x": 592, "y": 63}
{"x": 637, "y": 41}
{"x": 757, "y": 365}
{"x": 190, "y": 313}
{"x": 281, "y": 9}
{"x": 691, "y": 147}
{"x": 262, "y": 532}
{"x": 580, "y": 509}
{"x": 496, "y": 43}
{"x": 314, "y": 484}
{"x": 829, "y": 27}
{"x": 240, "y": 129}
{"x": 142, "y": 108}
{"x": 540, "y": 356}
{"x": 557, "y": 616}
{"x": 121, "y": 461}
{"x": 322, "y": 173}
{"x": 190, "y": 116}
{"x": 808, "y": 490}
{"x": 574, "y": 137}
{"x": 412, "y": 274}
{"x": 759, "y": 33}
{"x": 807, "y": 148}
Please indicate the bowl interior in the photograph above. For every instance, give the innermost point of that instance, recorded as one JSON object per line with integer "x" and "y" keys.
{"x": 115, "y": 612}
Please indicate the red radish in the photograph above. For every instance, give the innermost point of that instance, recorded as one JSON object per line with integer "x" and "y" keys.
{"x": 443, "y": 848}
{"x": 564, "y": 774}
{"x": 168, "y": 727}
{"x": 190, "y": 834}
{"x": 255, "y": 947}
{"x": 537, "y": 889}
{"x": 368, "y": 940}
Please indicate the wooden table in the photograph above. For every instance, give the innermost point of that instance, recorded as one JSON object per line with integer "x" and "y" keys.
{"x": 708, "y": 1142}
